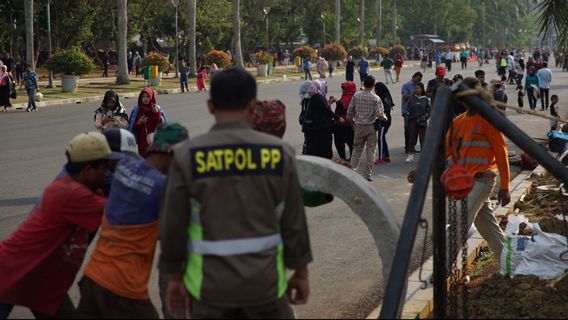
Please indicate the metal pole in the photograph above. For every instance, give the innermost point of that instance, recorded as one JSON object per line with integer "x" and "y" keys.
{"x": 177, "y": 45}
{"x": 50, "y": 77}
{"x": 396, "y": 283}
{"x": 323, "y": 44}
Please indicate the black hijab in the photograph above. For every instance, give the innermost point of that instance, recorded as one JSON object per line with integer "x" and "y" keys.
{"x": 383, "y": 92}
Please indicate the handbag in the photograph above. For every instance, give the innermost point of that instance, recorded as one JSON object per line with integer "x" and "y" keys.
{"x": 13, "y": 93}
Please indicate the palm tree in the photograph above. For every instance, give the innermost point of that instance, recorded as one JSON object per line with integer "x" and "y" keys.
{"x": 379, "y": 21}
{"x": 393, "y": 23}
{"x": 238, "y": 56}
{"x": 122, "y": 77}
{"x": 337, "y": 20}
{"x": 361, "y": 21}
{"x": 553, "y": 15}
{"x": 192, "y": 38}
{"x": 29, "y": 11}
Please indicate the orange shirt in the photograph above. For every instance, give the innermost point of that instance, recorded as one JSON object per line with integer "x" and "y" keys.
{"x": 122, "y": 259}
{"x": 483, "y": 147}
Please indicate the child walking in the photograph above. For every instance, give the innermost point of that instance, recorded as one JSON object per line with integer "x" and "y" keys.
{"x": 520, "y": 95}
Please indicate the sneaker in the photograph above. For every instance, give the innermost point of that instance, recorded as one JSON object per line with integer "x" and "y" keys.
{"x": 379, "y": 161}
{"x": 369, "y": 179}
{"x": 410, "y": 158}
{"x": 27, "y": 109}
{"x": 387, "y": 159}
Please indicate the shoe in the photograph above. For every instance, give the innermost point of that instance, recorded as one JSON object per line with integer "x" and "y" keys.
{"x": 27, "y": 109}
{"x": 34, "y": 109}
{"x": 410, "y": 158}
{"x": 369, "y": 179}
{"x": 387, "y": 159}
{"x": 379, "y": 161}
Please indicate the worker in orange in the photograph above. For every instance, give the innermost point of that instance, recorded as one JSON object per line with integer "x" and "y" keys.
{"x": 482, "y": 152}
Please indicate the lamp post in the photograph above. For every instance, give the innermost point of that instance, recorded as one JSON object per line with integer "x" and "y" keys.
{"x": 175, "y": 3}
{"x": 266, "y": 11}
{"x": 323, "y": 19}
{"x": 50, "y": 77}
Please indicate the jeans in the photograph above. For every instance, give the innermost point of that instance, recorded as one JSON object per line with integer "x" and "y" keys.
{"x": 544, "y": 97}
{"x": 531, "y": 97}
{"x": 308, "y": 74}
{"x": 349, "y": 76}
{"x": 183, "y": 84}
{"x": 388, "y": 74}
{"x": 66, "y": 310}
{"x": 365, "y": 134}
{"x": 31, "y": 102}
{"x": 449, "y": 65}
{"x": 383, "y": 151}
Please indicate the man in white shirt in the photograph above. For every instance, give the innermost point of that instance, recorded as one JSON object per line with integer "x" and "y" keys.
{"x": 449, "y": 58}
{"x": 544, "y": 79}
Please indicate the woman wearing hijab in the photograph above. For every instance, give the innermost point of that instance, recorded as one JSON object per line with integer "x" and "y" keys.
{"x": 111, "y": 113}
{"x": 144, "y": 119}
{"x": 383, "y": 152}
{"x": 5, "y": 88}
{"x": 343, "y": 133}
{"x": 317, "y": 121}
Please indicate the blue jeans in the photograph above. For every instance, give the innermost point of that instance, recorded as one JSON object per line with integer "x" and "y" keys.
{"x": 31, "y": 102}
{"x": 183, "y": 84}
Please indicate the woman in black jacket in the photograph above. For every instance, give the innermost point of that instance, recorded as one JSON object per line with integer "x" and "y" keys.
{"x": 383, "y": 152}
{"x": 317, "y": 119}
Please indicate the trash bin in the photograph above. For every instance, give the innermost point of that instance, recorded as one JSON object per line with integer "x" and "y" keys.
{"x": 270, "y": 66}
{"x": 146, "y": 73}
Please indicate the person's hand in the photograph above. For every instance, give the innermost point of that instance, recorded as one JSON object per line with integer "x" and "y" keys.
{"x": 177, "y": 299}
{"x": 503, "y": 197}
{"x": 142, "y": 120}
{"x": 342, "y": 121}
{"x": 384, "y": 118}
{"x": 332, "y": 99}
{"x": 155, "y": 109}
{"x": 298, "y": 287}
{"x": 411, "y": 176}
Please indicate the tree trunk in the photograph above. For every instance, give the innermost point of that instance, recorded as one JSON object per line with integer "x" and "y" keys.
{"x": 361, "y": 21}
{"x": 122, "y": 74}
{"x": 379, "y": 22}
{"x": 337, "y": 21}
{"x": 393, "y": 23}
{"x": 238, "y": 52}
{"x": 192, "y": 38}
{"x": 29, "y": 11}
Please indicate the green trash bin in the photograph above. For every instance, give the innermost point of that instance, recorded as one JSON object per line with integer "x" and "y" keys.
{"x": 146, "y": 73}
{"x": 270, "y": 68}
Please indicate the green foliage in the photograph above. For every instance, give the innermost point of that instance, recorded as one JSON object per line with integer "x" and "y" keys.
{"x": 305, "y": 52}
{"x": 264, "y": 57}
{"x": 70, "y": 62}
{"x": 333, "y": 52}
{"x": 220, "y": 58}
{"x": 207, "y": 46}
{"x": 397, "y": 49}
{"x": 358, "y": 52}
{"x": 156, "y": 59}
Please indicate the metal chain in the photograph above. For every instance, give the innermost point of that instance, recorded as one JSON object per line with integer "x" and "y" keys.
{"x": 424, "y": 225}
{"x": 452, "y": 260}
{"x": 464, "y": 232}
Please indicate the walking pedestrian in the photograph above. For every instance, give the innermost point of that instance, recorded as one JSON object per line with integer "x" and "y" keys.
{"x": 463, "y": 58}
{"x": 531, "y": 87}
{"x": 418, "y": 109}
{"x": 106, "y": 63}
{"x": 201, "y": 76}
{"x": 449, "y": 58}
{"x": 363, "y": 68}
{"x": 227, "y": 259}
{"x": 307, "y": 66}
{"x": 115, "y": 283}
{"x": 439, "y": 82}
{"x": 387, "y": 65}
{"x": 5, "y": 88}
{"x": 145, "y": 118}
{"x": 343, "y": 132}
{"x": 383, "y": 155}
{"x": 365, "y": 108}
{"x": 330, "y": 68}
{"x": 544, "y": 79}
{"x": 407, "y": 93}
{"x": 519, "y": 71}
{"x": 398, "y": 62}
{"x": 129, "y": 61}
{"x": 111, "y": 113}
{"x": 29, "y": 80}
{"x": 137, "y": 63}
{"x": 349, "y": 69}
{"x": 40, "y": 259}
{"x": 20, "y": 65}
{"x": 520, "y": 95}
{"x": 183, "y": 77}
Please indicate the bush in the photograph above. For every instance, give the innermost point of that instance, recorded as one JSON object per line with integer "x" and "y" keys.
{"x": 358, "y": 52}
{"x": 305, "y": 52}
{"x": 156, "y": 59}
{"x": 70, "y": 62}
{"x": 263, "y": 57}
{"x": 382, "y": 51}
{"x": 397, "y": 49}
{"x": 333, "y": 52}
{"x": 220, "y": 58}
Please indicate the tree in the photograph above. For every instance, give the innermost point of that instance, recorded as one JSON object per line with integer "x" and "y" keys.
{"x": 192, "y": 38}
{"x": 337, "y": 21}
{"x": 362, "y": 21}
{"x": 238, "y": 53}
{"x": 122, "y": 77}
{"x": 379, "y": 21}
{"x": 29, "y": 10}
{"x": 554, "y": 17}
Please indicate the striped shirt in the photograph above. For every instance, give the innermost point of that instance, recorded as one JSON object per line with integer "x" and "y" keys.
{"x": 365, "y": 108}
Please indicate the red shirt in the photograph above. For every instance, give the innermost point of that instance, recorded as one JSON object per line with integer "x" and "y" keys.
{"x": 40, "y": 260}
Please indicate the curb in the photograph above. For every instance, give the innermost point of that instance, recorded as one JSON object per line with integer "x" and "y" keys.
{"x": 419, "y": 301}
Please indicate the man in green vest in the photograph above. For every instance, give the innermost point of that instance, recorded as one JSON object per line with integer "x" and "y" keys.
{"x": 232, "y": 218}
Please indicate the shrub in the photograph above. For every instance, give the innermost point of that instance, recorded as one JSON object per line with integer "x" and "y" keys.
{"x": 333, "y": 52}
{"x": 220, "y": 58}
{"x": 305, "y": 52}
{"x": 382, "y": 51}
{"x": 71, "y": 62}
{"x": 263, "y": 57}
{"x": 156, "y": 59}
{"x": 397, "y": 49}
{"x": 358, "y": 52}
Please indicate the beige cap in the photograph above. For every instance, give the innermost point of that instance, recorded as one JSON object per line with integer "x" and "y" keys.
{"x": 89, "y": 146}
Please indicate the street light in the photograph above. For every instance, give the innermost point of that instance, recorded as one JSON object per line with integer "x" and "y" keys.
{"x": 50, "y": 77}
{"x": 266, "y": 11}
{"x": 323, "y": 19}
{"x": 175, "y": 3}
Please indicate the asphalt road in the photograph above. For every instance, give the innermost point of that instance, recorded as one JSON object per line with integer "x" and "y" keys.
{"x": 346, "y": 276}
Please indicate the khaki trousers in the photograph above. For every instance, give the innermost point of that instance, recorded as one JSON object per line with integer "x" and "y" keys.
{"x": 364, "y": 134}
{"x": 483, "y": 217}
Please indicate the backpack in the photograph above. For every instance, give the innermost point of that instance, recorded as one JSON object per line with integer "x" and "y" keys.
{"x": 270, "y": 117}
{"x": 557, "y": 141}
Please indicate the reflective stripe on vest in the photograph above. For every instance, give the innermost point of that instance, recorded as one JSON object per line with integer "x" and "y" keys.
{"x": 476, "y": 160}
{"x": 468, "y": 143}
{"x": 234, "y": 247}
